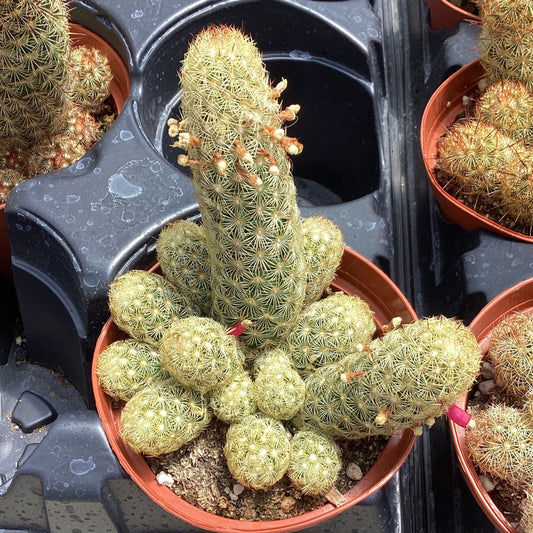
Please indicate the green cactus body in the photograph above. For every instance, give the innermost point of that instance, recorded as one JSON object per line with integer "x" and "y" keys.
{"x": 511, "y": 353}
{"x": 91, "y": 77}
{"x": 406, "y": 378}
{"x": 127, "y": 366}
{"x": 279, "y": 391}
{"x": 501, "y": 444}
{"x": 271, "y": 359}
{"x": 526, "y": 520}
{"x": 233, "y": 400}
{"x": 34, "y": 99}
{"x": 323, "y": 249}
{"x": 162, "y": 417}
{"x": 199, "y": 353}
{"x": 315, "y": 462}
{"x": 257, "y": 451}
{"x": 328, "y": 330}
{"x": 237, "y": 150}
{"x": 145, "y": 304}
{"x": 506, "y": 41}
{"x": 508, "y": 106}
{"x": 8, "y": 180}
{"x": 182, "y": 254}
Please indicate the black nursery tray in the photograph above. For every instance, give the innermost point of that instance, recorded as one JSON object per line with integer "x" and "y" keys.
{"x": 362, "y": 70}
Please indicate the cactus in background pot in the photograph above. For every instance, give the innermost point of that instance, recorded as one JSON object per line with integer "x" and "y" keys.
{"x": 232, "y": 129}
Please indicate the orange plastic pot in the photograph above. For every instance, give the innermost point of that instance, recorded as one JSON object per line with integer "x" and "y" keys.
{"x": 356, "y": 275}
{"x": 120, "y": 90}
{"x": 444, "y": 14}
{"x": 516, "y": 298}
{"x": 440, "y": 112}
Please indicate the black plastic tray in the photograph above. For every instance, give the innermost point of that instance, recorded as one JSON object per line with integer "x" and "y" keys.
{"x": 362, "y": 72}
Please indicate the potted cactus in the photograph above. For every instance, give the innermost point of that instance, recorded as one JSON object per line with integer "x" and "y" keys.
{"x": 61, "y": 87}
{"x": 243, "y": 333}
{"x": 476, "y": 131}
{"x": 494, "y": 449}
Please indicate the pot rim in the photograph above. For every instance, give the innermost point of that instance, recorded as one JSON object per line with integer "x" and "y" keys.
{"x": 136, "y": 466}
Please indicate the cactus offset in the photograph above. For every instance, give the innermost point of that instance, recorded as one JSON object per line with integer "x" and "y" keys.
{"x": 145, "y": 304}
{"x": 404, "y": 379}
{"x": 233, "y": 400}
{"x": 232, "y": 129}
{"x": 34, "y": 97}
{"x": 257, "y": 451}
{"x": 162, "y": 417}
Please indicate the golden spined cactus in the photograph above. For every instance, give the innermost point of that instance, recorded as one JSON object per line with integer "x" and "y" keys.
{"x": 406, "y": 378}
{"x": 199, "y": 353}
{"x": 232, "y": 129}
{"x": 127, "y": 366}
{"x": 328, "y": 330}
{"x": 91, "y": 78}
{"x": 34, "y": 45}
{"x": 234, "y": 399}
{"x": 145, "y": 305}
{"x": 257, "y": 451}
{"x": 182, "y": 254}
{"x": 526, "y": 506}
{"x": 500, "y": 444}
{"x": 315, "y": 462}
{"x": 323, "y": 249}
{"x": 511, "y": 353}
{"x": 162, "y": 417}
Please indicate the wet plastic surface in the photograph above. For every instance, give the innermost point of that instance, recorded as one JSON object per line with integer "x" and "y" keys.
{"x": 362, "y": 71}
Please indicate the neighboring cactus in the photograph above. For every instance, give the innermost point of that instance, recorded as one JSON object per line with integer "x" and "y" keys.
{"x": 511, "y": 353}
{"x": 8, "y": 180}
{"x": 526, "y": 506}
{"x": 328, "y": 330}
{"x": 506, "y": 41}
{"x": 182, "y": 253}
{"x": 237, "y": 150}
{"x": 406, "y": 378}
{"x": 233, "y": 400}
{"x": 278, "y": 391}
{"x": 127, "y": 366}
{"x": 199, "y": 353}
{"x": 257, "y": 451}
{"x": 500, "y": 444}
{"x": 162, "y": 417}
{"x": 315, "y": 462}
{"x": 34, "y": 96}
{"x": 145, "y": 304}
{"x": 508, "y": 106}
{"x": 91, "y": 78}
{"x": 323, "y": 249}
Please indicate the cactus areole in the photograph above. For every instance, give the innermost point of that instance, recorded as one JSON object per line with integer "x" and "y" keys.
{"x": 232, "y": 130}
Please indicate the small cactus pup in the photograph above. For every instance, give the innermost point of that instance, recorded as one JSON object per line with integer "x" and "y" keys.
{"x": 34, "y": 78}
{"x": 257, "y": 451}
{"x": 328, "y": 330}
{"x": 407, "y": 377}
{"x": 278, "y": 390}
{"x": 127, "y": 366}
{"x": 162, "y": 417}
{"x": 232, "y": 130}
{"x": 511, "y": 353}
{"x": 500, "y": 444}
{"x": 199, "y": 353}
{"x": 323, "y": 249}
{"x": 315, "y": 462}
{"x": 182, "y": 254}
{"x": 145, "y": 304}
{"x": 506, "y": 42}
{"x": 233, "y": 400}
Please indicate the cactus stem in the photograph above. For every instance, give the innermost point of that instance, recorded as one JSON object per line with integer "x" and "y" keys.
{"x": 252, "y": 179}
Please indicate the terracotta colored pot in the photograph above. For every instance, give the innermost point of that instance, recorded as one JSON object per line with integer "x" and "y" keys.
{"x": 356, "y": 275}
{"x": 444, "y": 14}
{"x": 440, "y": 112}
{"x": 120, "y": 90}
{"x": 517, "y": 298}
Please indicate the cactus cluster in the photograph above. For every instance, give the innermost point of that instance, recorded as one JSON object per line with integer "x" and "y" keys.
{"x": 45, "y": 124}
{"x": 263, "y": 343}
